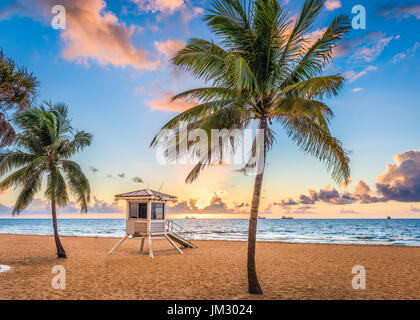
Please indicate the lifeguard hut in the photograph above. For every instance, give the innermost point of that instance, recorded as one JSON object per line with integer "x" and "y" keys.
{"x": 146, "y": 218}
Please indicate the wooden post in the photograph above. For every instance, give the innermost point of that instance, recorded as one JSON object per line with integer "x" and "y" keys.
{"x": 142, "y": 244}
{"x": 118, "y": 244}
{"x": 150, "y": 246}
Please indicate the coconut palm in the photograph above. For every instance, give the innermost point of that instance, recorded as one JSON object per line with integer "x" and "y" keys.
{"x": 44, "y": 145}
{"x": 264, "y": 69}
{"x": 18, "y": 88}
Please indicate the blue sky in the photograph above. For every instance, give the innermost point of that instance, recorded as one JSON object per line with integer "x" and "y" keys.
{"x": 110, "y": 65}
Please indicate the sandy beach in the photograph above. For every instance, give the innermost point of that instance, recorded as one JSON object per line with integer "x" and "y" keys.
{"x": 215, "y": 270}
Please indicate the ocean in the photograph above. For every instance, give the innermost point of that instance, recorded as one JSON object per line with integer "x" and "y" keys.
{"x": 404, "y": 232}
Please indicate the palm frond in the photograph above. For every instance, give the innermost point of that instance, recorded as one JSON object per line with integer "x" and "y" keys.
{"x": 314, "y": 59}
{"x": 314, "y": 140}
{"x": 78, "y": 183}
{"x": 32, "y": 185}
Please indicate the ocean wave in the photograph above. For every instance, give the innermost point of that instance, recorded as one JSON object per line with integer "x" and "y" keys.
{"x": 388, "y": 232}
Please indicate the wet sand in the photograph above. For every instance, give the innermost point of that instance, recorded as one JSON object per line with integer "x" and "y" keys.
{"x": 215, "y": 270}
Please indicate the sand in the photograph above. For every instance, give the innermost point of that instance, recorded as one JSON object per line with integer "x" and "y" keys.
{"x": 215, "y": 270}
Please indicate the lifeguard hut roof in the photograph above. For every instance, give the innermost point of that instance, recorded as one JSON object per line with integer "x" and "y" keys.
{"x": 146, "y": 194}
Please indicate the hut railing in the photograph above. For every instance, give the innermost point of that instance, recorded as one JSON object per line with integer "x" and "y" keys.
{"x": 176, "y": 229}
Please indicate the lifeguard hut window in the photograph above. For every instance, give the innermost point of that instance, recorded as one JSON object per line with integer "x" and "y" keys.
{"x": 138, "y": 210}
{"x": 158, "y": 211}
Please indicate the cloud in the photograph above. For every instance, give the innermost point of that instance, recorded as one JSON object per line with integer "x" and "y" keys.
{"x": 188, "y": 13}
{"x": 93, "y": 169}
{"x": 334, "y": 197}
{"x": 137, "y": 179}
{"x": 216, "y": 205}
{"x": 302, "y": 210}
{"x": 357, "y": 89}
{"x": 311, "y": 199}
{"x": 332, "y": 4}
{"x": 315, "y": 35}
{"x": 416, "y": 210}
{"x": 41, "y": 206}
{"x": 168, "y": 7}
{"x": 367, "y": 47}
{"x": 169, "y": 48}
{"x": 94, "y": 33}
{"x": 401, "y": 181}
{"x": 352, "y": 76}
{"x": 121, "y": 175}
{"x": 100, "y": 206}
{"x": 346, "y": 46}
{"x": 242, "y": 205}
{"x": 5, "y": 209}
{"x": 364, "y": 194}
{"x": 10, "y": 10}
{"x": 163, "y": 101}
{"x": 159, "y": 5}
{"x": 348, "y": 211}
{"x": 410, "y": 52}
{"x": 283, "y": 203}
{"x": 370, "y": 52}
{"x": 400, "y": 12}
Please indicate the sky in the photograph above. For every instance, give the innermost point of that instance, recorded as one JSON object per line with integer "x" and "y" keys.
{"x": 110, "y": 65}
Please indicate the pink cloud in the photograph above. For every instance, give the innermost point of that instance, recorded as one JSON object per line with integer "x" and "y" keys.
{"x": 159, "y": 5}
{"x": 163, "y": 102}
{"x": 168, "y": 7}
{"x": 168, "y": 48}
{"x": 401, "y": 181}
{"x": 315, "y": 35}
{"x": 352, "y": 76}
{"x": 401, "y": 12}
{"x": 332, "y": 4}
{"x": 94, "y": 33}
{"x": 410, "y": 52}
{"x": 370, "y": 53}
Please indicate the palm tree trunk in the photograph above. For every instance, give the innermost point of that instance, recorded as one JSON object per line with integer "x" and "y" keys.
{"x": 253, "y": 284}
{"x": 60, "y": 250}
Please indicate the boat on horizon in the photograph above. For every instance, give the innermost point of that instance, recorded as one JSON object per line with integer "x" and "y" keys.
{"x": 261, "y": 217}
{"x": 388, "y": 218}
{"x": 192, "y": 217}
{"x": 286, "y": 217}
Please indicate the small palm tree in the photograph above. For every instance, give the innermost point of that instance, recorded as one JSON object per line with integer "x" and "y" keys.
{"x": 18, "y": 89}
{"x": 45, "y": 144}
{"x": 264, "y": 69}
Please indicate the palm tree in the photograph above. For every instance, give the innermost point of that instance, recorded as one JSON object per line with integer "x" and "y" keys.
{"x": 18, "y": 89}
{"x": 45, "y": 144}
{"x": 263, "y": 69}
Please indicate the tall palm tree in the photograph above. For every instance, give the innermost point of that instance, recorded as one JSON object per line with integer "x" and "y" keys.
{"x": 44, "y": 145}
{"x": 263, "y": 69}
{"x": 18, "y": 88}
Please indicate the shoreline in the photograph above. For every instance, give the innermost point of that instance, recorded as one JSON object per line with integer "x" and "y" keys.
{"x": 239, "y": 241}
{"x": 215, "y": 270}
{"x": 221, "y": 240}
